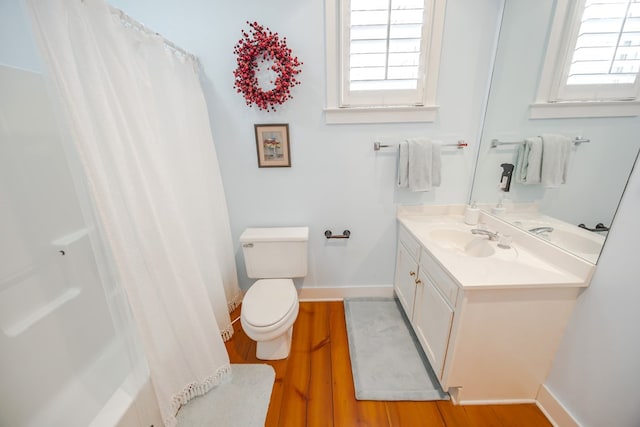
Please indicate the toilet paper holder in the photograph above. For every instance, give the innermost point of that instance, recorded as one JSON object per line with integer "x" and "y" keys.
{"x": 329, "y": 235}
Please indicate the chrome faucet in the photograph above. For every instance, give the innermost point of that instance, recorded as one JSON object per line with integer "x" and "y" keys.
{"x": 490, "y": 234}
{"x": 540, "y": 230}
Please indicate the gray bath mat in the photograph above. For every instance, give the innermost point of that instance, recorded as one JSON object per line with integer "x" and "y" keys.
{"x": 243, "y": 401}
{"x": 386, "y": 361}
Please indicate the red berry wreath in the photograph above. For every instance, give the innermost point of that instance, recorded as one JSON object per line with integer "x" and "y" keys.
{"x": 263, "y": 45}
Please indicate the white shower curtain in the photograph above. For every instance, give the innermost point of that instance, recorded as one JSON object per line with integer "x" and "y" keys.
{"x": 140, "y": 124}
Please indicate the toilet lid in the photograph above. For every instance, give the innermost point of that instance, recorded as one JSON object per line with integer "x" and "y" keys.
{"x": 268, "y": 300}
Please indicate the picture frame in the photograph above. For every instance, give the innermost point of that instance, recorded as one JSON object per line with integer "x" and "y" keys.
{"x": 272, "y": 144}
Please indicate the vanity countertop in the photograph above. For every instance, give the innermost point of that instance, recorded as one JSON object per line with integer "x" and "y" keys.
{"x": 529, "y": 262}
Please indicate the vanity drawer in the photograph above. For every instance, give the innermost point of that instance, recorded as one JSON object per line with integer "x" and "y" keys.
{"x": 410, "y": 243}
{"x": 445, "y": 284}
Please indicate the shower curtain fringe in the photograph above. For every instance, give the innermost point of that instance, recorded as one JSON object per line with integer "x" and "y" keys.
{"x": 227, "y": 332}
{"x": 193, "y": 390}
{"x": 234, "y": 302}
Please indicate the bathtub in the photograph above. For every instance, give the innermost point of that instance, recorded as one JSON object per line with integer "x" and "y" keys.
{"x": 130, "y": 407}
{"x": 68, "y": 353}
{"x": 131, "y": 403}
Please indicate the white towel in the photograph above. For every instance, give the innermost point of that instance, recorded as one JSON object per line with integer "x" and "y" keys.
{"x": 403, "y": 164}
{"x": 529, "y": 161}
{"x": 436, "y": 163}
{"x": 419, "y": 164}
{"x": 555, "y": 159}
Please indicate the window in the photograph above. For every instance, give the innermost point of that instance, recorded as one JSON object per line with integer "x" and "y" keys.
{"x": 593, "y": 59}
{"x": 383, "y": 53}
{"x": 382, "y": 59}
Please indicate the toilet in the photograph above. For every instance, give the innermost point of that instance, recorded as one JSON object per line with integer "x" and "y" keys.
{"x": 270, "y": 306}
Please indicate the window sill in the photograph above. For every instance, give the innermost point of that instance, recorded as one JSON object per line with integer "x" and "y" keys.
{"x": 558, "y": 110}
{"x": 380, "y": 114}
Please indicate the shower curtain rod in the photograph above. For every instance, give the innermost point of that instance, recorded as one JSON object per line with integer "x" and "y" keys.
{"x": 129, "y": 22}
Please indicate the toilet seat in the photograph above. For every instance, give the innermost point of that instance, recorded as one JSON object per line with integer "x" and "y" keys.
{"x": 268, "y": 302}
{"x": 274, "y": 339}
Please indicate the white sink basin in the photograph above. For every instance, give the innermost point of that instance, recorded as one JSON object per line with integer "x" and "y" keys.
{"x": 568, "y": 237}
{"x": 574, "y": 242}
{"x": 463, "y": 242}
{"x": 479, "y": 247}
{"x": 475, "y": 261}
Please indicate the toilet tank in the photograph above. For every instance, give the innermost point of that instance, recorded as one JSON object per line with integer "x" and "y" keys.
{"x": 277, "y": 252}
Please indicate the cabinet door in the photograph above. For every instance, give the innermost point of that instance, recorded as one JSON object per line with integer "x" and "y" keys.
{"x": 432, "y": 322}
{"x": 405, "y": 283}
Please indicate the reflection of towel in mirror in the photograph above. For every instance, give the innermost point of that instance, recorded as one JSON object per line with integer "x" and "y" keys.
{"x": 555, "y": 159}
{"x": 419, "y": 164}
{"x": 529, "y": 161}
{"x": 403, "y": 164}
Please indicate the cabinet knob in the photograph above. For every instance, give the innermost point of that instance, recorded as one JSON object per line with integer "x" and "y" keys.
{"x": 418, "y": 281}
{"x": 412, "y": 273}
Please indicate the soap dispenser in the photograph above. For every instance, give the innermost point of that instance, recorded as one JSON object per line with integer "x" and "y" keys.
{"x": 471, "y": 214}
{"x": 505, "y": 178}
{"x": 499, "y": 208}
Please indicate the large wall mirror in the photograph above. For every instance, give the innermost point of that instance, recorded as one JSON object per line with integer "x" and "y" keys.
{"x": 598, "y": 170}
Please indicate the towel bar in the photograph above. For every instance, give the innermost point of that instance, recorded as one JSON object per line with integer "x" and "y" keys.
{"x": 460, "y": 144}
{"x": 496, "y": 142}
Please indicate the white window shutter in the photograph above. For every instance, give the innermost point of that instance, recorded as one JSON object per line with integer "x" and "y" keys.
{"x": 604, "y": 61}
{"x": 385, "y": 47}
{"x": 383, "y": 60}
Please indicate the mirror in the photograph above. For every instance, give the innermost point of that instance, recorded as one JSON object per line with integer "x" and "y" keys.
{"x": 598, "y": 170}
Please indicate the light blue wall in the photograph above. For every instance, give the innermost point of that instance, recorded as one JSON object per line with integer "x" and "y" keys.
{"x": 18, "y": 48}
{"x": 598, "y": 170}
{"x": 336, "y": 180}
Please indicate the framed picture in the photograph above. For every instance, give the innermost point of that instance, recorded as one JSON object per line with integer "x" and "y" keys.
{"x": 272, "y": 142}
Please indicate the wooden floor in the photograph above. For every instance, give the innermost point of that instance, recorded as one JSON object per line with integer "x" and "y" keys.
{"x": 314, "y": 385}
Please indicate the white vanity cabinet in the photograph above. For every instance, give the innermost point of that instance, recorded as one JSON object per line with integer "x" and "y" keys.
{"x": 429, "y": 306}
{"x": 407, "y": 268}
{"x": 487, "y": 342}
{"x": 433, "y": 311}
{"x": 432, "y": 318}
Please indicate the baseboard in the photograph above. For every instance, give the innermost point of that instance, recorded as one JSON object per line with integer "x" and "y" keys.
{"x": 340, "y": 293}
{"x": 555, "y": 411}
{"x": 495, "y": 402}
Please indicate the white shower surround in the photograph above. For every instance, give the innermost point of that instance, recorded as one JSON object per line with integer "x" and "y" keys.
{"x": 64, "y": 354}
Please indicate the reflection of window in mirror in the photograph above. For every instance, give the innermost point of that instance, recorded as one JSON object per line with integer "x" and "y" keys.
{"x": 383, "y": 54}
{"x": 593, "y": 55}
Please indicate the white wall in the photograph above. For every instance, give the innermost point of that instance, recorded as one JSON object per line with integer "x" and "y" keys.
{"x": 596, "y": 372}
{"x": 336, "y": 180}
{"x": 598, "y": 170}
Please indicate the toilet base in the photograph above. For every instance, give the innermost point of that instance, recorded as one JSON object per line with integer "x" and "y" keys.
{"x": 275, "y": 349}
